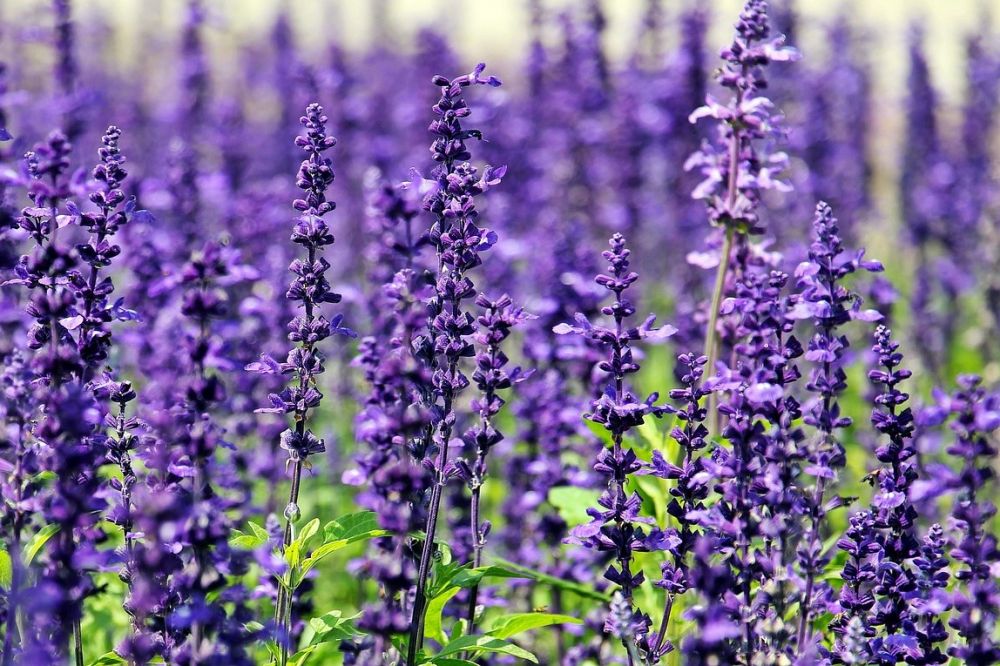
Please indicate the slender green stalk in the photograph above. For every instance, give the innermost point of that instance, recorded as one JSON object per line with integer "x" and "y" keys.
{"x": 711, "y": 336}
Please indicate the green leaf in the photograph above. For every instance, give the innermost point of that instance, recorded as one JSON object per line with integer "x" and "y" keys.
{"x": 432, "y": 620}
{"x": 485, "y": 644}
{"x": 331, "y": 547}
{"x": 32, "y": 548}
{"x": 654, "y": 489}
{"x": 571, "y": 503}
{"x": 472, "y": 577}
{"x": 6, "y": 570}
{"x": 351, "y": 526}
{"x": 308, "y": 532}
{"x": 259, "y": 531}
{"x": 244, "y": 541}
{"x": 600, "y": 432}
{"x": 108, "y": 659}
{"x": 300, "y": 657}
{"x": 650, "y": 434}
{"x": 333, "y": 626}
{"x": 446, "y": 661}
{"x": 442, "y": 575}
{"x": 293, "y": 554}
{"x": 578, "y": 589}
{"x": 516, "y": 623}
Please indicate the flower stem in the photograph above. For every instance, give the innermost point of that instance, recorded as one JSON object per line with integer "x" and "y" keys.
{"x": 283, "y": 607}
{"x": 423, "y": 572}
{"x": 711, "y": 334}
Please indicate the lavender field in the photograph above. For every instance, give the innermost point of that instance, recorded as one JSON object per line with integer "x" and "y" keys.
{"x": 326, "y": 352}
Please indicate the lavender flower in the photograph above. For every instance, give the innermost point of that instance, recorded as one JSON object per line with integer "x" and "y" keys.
{"x": 310, "y": 288}
{"x": 856, "y": 598}
{"x": 929, "y": 601}
{"x": 616, "y": 526}
{"x": 714, "y": 619}
{"x": 831, "y": 305}
{"x": 976, "y": 599}
{"x": 458, "y": 241}
{"x": 893, "y": 514}
{"x": 93, "y": 290}
{"x": 691, "y": 489}
{"x": 69, "y": 451}
{"x": 18, "y": 485}
{"x": 736, "y": 166}
{"x": 495, "y": 323}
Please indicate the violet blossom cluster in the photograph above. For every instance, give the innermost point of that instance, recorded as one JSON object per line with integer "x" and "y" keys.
{"x": 616, "y": 527}
{"x": 469, "y": 510}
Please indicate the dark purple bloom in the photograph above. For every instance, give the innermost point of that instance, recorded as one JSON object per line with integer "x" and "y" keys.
{"x": 494, "y": 325}
{"x": 830, "y": 304}
{"x": 892, "y": 512}
{"x": 975, "y": 415}
{"x": 458, "y": 241}
{"x": 310, "y": 289}
{"x": 616, "y": 525}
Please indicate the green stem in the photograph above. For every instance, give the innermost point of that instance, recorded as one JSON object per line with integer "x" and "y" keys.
{"x": 711, "y": 335}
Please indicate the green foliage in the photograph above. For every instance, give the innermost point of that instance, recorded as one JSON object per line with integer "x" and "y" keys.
{"x": 572, "y": 503}
{"x": 6, "y": 570}
{"x": 507, "y": 626}
{"x": 475, "y": 645}
{"x": 37, "y": 542}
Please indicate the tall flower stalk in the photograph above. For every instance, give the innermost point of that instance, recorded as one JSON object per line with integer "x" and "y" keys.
{"x": 737, "y": 166}
{"x": 830, "y": 304}
{"x": 616, "y": 527}
{"x": 975, "y": 417}
{"x": 70, "y": 416}
{"x": 495, "y": 323}
{"x": 458, "y": 241}
{"x": 310, "y": 290}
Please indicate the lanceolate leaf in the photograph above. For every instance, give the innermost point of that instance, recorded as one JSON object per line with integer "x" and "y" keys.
{"x": 485, "y": 644}
{"x": 432, "y": 624}
{"x": 511, "y": 625}
{"x": 37, "y": 542}
{"x": 352, "y": 526}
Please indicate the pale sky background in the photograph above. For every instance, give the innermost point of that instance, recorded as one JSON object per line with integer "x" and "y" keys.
{"x": 495, "y": 30}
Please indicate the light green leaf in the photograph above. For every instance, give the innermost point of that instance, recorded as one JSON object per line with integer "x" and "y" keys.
{"x": 516, "y": 623}
{"x": 600, "y": 432}
{"x": 571, "y": 503}
{"x": 259, "y": 531}
{"x": 245, "y": 541}
{"x": 318, "y": 555}
{"x": 308, "y": 532}
{"x": 326, "y": 621}
{"x": 446, "y": 661}
{"x": 432, "y": 620}
{"x": 485, "y": 644}
{"x": 442, "y": 575}
{"x": 350, "y": 526}
{"x": 6, "y": 570}
{"x": 293, "y": 554}
{"x": 567, "y": 586}
{"x": 108, "y": 659}
{"x": 472, "y": 577}
{"x": 654, "y": 489}
{"x": 654, "y": 438}
{"x": 333, "y": 626}
{"x": 300, "y": 657}
{"x": 32, "y": 548}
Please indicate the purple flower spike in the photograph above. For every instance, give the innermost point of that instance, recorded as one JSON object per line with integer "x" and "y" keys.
{"x": 616, "y": 525}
